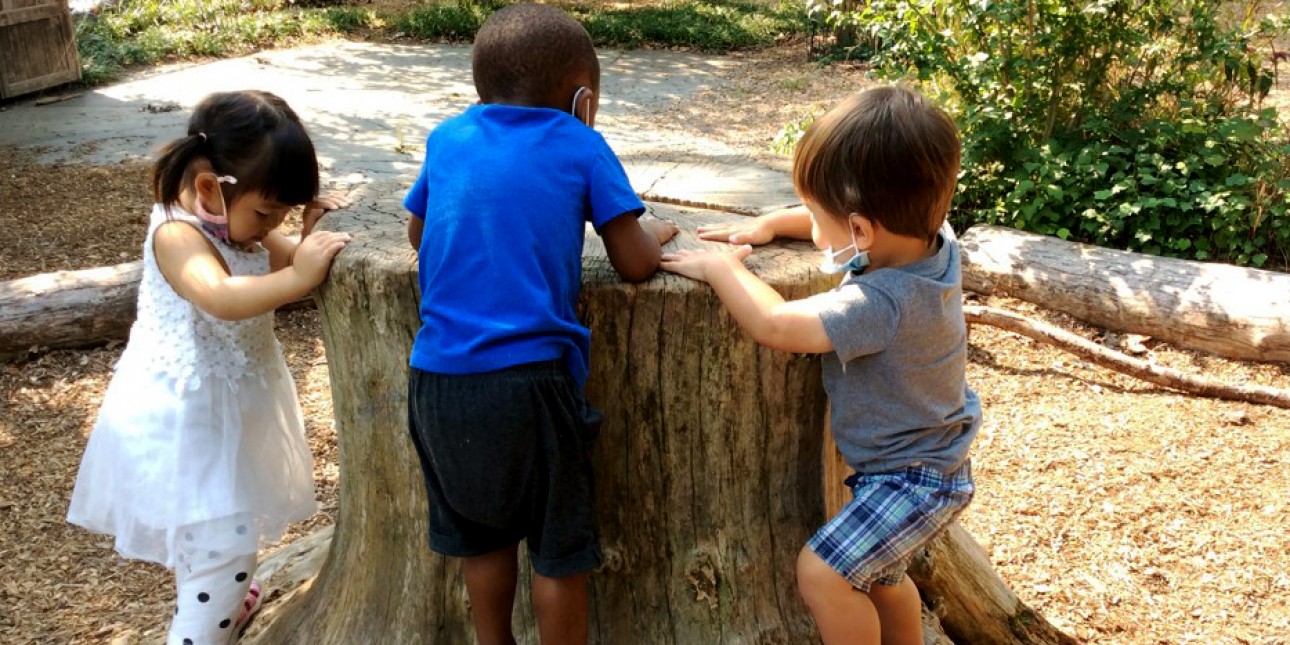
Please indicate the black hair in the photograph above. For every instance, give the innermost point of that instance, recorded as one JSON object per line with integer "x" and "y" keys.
{"x": 530, "y": 54}
{"x": 253, "y": 136}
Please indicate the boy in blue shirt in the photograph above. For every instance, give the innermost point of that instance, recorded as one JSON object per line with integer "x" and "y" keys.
{"x": 495, "y": 403}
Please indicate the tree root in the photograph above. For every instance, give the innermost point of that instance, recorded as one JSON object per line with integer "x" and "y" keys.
{"x": 1123, "y": 363}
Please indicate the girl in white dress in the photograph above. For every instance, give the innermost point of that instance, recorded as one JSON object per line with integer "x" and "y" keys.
{"x": 198, "y": 456}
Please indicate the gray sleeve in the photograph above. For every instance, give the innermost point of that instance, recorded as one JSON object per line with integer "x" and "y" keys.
{"x": 859, "y": 319}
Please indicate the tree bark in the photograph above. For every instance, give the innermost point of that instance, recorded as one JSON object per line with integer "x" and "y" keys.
{"x": 67, "y": 308}
{"x": 1230, "y": 311}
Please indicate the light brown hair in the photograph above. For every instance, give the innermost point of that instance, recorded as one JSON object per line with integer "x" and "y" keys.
{"x": 886, "y": 153}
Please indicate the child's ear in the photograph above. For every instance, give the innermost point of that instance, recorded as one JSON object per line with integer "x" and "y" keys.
{"x": 207, "y": 187}
{"x": 586, "y": 107}
{"x": 863, "y": 229}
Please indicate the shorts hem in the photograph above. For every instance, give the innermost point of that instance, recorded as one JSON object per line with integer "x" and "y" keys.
{"x": 581, "y": 562}
{"x": 453, "y": 548}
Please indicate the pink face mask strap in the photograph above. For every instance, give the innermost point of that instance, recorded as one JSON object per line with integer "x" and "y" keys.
{"x": 216, "y": 225}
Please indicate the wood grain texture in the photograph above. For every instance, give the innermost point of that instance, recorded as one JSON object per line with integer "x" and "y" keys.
{"x": 37, "y": 50}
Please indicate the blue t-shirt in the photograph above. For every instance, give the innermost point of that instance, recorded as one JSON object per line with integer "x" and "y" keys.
{"x": 505, "y": 193}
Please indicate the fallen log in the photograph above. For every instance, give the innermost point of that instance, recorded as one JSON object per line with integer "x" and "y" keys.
{"x": 1135, "y": 367}
{"x": 67, "y": 309}
{"x": 1227, "y": 310}
{"x": 72, "y": 309}
{"x": 974, "y": 605}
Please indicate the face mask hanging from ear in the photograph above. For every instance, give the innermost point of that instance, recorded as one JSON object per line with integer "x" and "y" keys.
{"x": 216, "y": 225}
{"x": 858, "y": 262}
{"x": 577, "y": 96}
{"x": 829, "y": 264}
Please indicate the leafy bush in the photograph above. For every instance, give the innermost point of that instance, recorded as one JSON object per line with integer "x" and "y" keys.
{"x": 1135, "y": 124}
{"x": 457, "y": 21}
{"x": 710, "y": 26}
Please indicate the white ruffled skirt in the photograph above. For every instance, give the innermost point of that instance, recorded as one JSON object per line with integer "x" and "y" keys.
{"x": 163, "y": 459}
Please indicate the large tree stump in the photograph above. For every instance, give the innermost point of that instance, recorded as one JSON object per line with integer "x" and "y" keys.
{"x": 710, "y": 467}
{"x": 1230, "y": 311}
{"x": 708, "y": 464}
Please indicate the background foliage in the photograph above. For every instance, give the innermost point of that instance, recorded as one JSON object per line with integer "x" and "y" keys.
{"x": 127, "y": 33}
{"x": 1134, "y": 124}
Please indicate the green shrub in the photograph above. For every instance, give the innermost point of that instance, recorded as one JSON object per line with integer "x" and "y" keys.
{"x": 1135, "y": 124}
{"x": 141, "y": 32}
{"x": 457, "y": 21}
{"x": 709, "y": 26}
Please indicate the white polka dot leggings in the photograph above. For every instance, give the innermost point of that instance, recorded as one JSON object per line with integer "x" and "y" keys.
{"x": 211, "y": 580}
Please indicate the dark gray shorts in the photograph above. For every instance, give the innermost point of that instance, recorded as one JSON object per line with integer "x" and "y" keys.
{"x": 506, "y": 457}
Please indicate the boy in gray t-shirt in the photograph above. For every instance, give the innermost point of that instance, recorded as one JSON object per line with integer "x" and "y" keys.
{"x": 876, "y": 175}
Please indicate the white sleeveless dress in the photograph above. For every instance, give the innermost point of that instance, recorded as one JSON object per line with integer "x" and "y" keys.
{"x": 199, "y": 426}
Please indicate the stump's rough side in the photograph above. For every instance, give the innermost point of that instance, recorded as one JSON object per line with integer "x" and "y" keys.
{"x": 707, "y": 468}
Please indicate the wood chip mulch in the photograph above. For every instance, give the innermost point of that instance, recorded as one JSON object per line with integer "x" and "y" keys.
{"x": 1123, "y": 512}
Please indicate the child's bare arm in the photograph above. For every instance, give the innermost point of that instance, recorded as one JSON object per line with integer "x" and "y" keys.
{"x": 196, "y": 272}
{"x": 280, "y": 248}
{"x": 633, "y": 245}
{"x": 793, "y": 222}
{"x": 760, "y": 311}
{"x": 416, "y": 227}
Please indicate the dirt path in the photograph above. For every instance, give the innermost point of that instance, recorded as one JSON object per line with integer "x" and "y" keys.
{"x": 1125, "y": 513}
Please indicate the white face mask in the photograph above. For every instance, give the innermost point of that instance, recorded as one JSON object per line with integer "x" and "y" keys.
{"x": 859, "y": 259}
{"x": 829, "y": 264}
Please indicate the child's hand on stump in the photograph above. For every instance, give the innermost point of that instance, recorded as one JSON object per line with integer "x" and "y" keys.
{"x": 314, "y": 255}
{"x": 315, "y": 209}
{"x": 662, "y": 229}
{"x": 698, "y": 263}
{"x": 755, "y": 231}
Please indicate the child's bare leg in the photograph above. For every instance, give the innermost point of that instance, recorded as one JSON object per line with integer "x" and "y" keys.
{"x": 845, "y": 616}
{"x": 899, "y": 612}
{"x": 490, "y": 583}
{"x": 560, "y": 605}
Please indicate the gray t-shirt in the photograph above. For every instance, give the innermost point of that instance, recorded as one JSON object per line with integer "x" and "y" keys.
{"x": 895, "y": 379}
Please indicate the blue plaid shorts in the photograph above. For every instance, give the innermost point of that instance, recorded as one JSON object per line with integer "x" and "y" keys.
{"x": 890, "y": 516}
